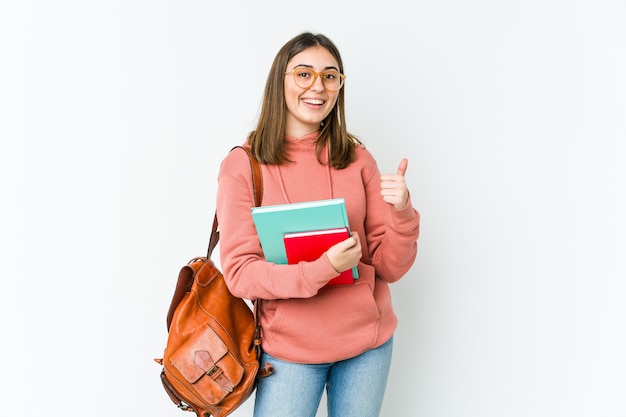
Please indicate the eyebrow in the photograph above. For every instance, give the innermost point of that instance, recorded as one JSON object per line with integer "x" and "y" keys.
{"x": 311, "y": 66}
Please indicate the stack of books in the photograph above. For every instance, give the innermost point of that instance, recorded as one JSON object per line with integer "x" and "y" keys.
{"x": 297, "y": 232}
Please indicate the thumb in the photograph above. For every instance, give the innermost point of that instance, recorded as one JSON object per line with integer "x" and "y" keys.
{"x": 402, "y": 167}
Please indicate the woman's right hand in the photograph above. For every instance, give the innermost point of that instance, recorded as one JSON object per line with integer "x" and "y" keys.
{"x": 346, "y": 254}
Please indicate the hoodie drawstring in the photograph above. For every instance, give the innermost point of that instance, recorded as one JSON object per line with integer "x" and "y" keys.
{"x": 328, "y": 178}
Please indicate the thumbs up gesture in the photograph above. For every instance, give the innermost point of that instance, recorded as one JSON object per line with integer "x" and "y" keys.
{"x": 393, "y": 188}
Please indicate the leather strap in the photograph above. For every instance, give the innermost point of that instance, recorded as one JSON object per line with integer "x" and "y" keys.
{"x": 257, "y": 189}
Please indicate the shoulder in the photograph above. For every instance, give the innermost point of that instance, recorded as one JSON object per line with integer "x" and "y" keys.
{"x": 235, "y": 162}
{"x": 235, "y": 175}
{"x": 364, "y": 159}
{"x": 363, "y": 154}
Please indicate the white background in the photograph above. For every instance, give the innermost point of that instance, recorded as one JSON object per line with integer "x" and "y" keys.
{"x": 114, "y": 116}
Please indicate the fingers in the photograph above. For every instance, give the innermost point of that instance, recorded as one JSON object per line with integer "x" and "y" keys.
{"x": 402, "y": 167}
{"x": 355, "y": 235}
{"x": 393, "y": 186}
{"x": 350, "y": 242}
{"x": 345, "y": 254}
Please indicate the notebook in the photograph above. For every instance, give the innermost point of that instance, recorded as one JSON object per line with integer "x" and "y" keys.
{"x": 309, "y": 246}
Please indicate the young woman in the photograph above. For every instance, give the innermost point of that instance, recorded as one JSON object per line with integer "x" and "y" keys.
{"x": 317, "y": 337}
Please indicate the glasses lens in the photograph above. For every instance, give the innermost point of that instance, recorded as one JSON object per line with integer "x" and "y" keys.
{"x": 332, "y": 80}
{"x": 305, "y": 77}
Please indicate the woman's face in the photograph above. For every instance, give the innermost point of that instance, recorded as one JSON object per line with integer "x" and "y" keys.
{"x": 308, "y": 107}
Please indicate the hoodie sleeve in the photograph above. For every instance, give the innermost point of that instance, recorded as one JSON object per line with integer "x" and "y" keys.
{"x": 246, "y": 272}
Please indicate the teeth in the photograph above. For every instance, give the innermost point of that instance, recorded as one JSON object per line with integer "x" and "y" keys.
{"x": 312, "y": 101}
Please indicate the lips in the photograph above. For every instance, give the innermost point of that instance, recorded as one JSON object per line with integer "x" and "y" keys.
{"x": 312, "y": 101}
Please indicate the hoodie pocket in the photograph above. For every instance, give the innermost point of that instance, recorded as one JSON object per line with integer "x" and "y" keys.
{"x": 344, "y": 318}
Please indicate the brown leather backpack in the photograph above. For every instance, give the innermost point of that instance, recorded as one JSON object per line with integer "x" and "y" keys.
{"x": 211, "y": 359}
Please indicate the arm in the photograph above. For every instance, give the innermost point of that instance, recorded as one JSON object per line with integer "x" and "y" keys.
{"x": 392, "y": 224}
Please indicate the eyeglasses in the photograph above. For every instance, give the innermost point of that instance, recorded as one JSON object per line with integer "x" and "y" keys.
{"x": 305, "y": 78}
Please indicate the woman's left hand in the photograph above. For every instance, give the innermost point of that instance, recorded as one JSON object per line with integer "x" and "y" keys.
{"x": 393, "y": 187}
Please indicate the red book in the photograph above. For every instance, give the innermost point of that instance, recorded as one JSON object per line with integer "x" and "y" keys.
{"x": 309, "y": 246}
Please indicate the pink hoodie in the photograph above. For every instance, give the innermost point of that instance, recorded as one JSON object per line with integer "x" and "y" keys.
{"x": 303, "y": 321}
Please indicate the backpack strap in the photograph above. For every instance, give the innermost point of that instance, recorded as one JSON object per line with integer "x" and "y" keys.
{"x": 257, "y": 189}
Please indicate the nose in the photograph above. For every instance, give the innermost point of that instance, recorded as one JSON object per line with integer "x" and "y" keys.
{"x": 318, "y": 84}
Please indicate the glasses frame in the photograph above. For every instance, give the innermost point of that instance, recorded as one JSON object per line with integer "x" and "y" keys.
{"x": 316, "y": 74}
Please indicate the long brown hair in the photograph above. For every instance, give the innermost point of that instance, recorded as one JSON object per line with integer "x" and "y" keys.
{"x": 267, "y": 141}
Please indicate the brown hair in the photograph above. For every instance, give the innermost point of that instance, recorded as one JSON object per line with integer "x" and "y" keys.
{"x": 267, "y": 142}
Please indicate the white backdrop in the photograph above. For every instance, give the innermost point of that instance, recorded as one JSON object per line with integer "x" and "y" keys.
{"x": 115, "y": 115}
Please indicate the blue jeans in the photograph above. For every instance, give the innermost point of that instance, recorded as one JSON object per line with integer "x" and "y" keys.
{"x": 354, "y": 387}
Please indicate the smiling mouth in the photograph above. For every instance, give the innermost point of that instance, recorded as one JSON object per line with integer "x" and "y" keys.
{"x": 316, "y": 102}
